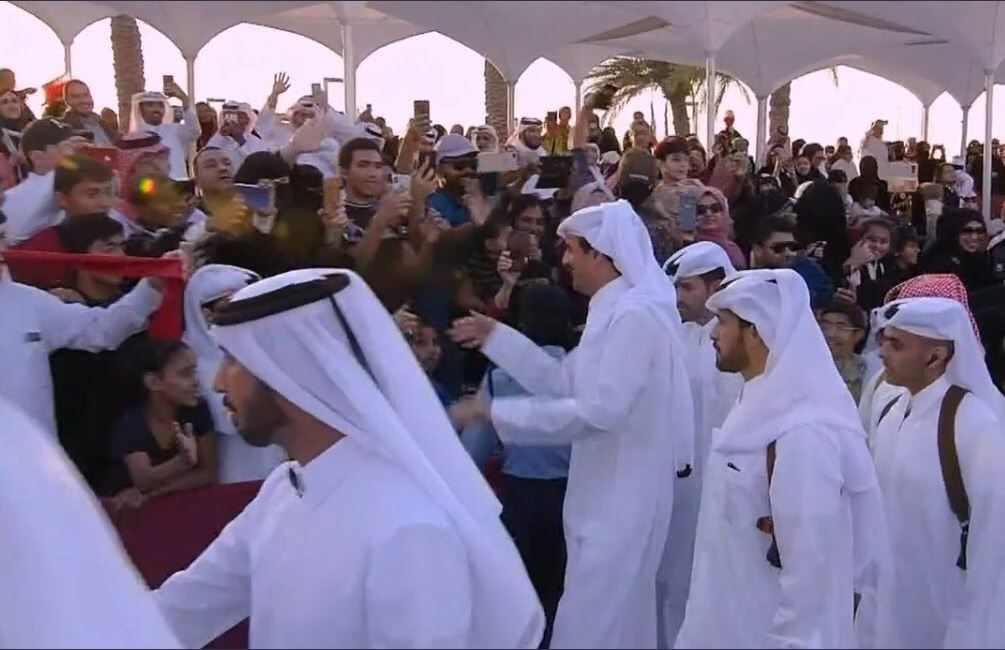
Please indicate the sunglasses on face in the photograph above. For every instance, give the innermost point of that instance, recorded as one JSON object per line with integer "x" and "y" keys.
{"x": 783, "y": 246}
{"x": 715, "y": 208}
{"x": 973, "y": 230}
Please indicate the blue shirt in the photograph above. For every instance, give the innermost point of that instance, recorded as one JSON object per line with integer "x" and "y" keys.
{"x": 455, "y": 213}
{"x": 521, "y": 461}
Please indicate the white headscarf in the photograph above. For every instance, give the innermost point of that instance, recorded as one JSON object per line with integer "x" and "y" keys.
{"x": 241, "y": 107}
{"x": 697, "y": 259}
{"x": 616, "y": 230}
{"x": 208, "y": 284}
{"x": 136, "y": 121}
{"x": 66, "y": 581}
{"x": 946, "y": 320}
{"x": 777, "y": 303}
{"x": 516, "y": 140}
{"x": 389, "y": 407}
{"x": 485, "y": 129}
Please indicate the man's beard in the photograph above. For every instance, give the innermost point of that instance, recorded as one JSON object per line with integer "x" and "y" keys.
{"x": 262, "y": 420}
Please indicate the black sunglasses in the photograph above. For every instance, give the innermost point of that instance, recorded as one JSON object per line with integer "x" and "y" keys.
{"x": 464, "y": 165}
{"x": 973, "y": 230}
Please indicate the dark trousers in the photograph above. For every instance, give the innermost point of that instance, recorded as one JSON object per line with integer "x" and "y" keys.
{"x": 532, "y": 513}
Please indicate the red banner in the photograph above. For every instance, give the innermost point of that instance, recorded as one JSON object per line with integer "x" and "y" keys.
{"x": 167, "y": 323}
{"x": 168, "y": 533}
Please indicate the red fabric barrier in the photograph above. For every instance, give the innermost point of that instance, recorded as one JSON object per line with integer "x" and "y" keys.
{"x": 169, "y": 532}
{"x": 167, "y": 323}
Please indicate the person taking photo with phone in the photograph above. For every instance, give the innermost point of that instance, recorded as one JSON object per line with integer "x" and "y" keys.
{"x": 151, "y": 113}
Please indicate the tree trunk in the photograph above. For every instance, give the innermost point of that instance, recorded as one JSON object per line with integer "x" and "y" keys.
{"x": 778, "y": 112}
{"x": 677, "y": 98}
{"x": 127, "y": 59}
{"x": 495, "y": 101}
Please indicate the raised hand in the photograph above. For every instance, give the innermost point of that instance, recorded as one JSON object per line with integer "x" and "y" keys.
{"x": 187, "y": 444}
{"x": 473, "y": 331}
{"x": 280, "y": 84}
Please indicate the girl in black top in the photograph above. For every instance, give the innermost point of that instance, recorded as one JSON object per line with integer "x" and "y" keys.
{"x": 163, "y": 441}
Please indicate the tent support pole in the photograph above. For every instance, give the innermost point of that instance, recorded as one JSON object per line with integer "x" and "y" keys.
{"x": 924, "y": 121}
{"x": 710, "y": 102}
{"x": 67, "y": 59}
{"x": 963, "y": 132}
{"x": 989, "y": 91}
{"x": 190, "y": 77}
{"x": 349, "y": 64}
{"x": 762, "y": 114}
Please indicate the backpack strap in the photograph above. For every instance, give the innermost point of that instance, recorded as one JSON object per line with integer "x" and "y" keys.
{"x": 767, "y": 524}
{"x": 952, "y": 476}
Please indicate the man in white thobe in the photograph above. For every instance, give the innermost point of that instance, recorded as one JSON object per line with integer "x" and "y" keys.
{"x": 152, "y": 113}
{"x": 947, "y": 588}
{"x": 696, "y": 271}
{"x": 67, "y": 582}
{"x": 783, "y": 546}
{"x": 622, "y": 399}
{"x": 236, "y": 135}
{"x": 380, "y": 532}
{"x": 36, "y": 323}
{"x": 338, "y": 129}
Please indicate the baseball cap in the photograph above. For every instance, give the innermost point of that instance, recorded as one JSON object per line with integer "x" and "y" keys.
{"x": 44, "y": 133}
{"x": 639, "y": 166}
{"x": 453, "y": 145}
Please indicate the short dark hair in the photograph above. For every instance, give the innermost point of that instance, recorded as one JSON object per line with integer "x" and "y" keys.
{"x": 853, "y": 313}
{"x": 769, "y": 225}
{"x": 78, "y": 168}
{"x": 78, "y": 234}
{"x": 198, "y": 155}
{"x": 346, "y": 153}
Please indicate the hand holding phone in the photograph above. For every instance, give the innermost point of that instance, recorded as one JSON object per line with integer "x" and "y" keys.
{"x": 687, "y": 218}
{"x": 420, "y": 109}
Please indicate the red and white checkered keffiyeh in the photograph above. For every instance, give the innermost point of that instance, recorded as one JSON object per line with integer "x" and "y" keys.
{"x": 934, "y": 285}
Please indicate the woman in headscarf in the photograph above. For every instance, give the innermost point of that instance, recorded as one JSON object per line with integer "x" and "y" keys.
{"x": 714, "y": 224}
{"x": 609, "y": 141}
{"x": 12, "y": 121}
{"x": 957, "y": 249}
{"x": 859, "y": 187}
{"x": 208, "y": 287}
{"x": 821, "y": 226}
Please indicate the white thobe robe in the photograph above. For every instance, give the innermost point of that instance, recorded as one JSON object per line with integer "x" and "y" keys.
{"x": 358, "y": 557}
{"x": 606, "y": 399}
{"x": 877, "y": 394}
{"x": 738, "y": 599}
{"x": 929, "y": 602}
{"x": 30, "y": 208}
{"x": 36, "y": 323}
{"x": 276, "y": 135}
{"x": 179, "y": 139}
{"x": 876, "y": 147}
{"x": 714, "y": 393}
{"x": 237, "y": 152}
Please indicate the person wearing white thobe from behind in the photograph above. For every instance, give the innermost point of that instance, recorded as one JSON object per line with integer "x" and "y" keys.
{"x": 942, "y": 592}
{"x": 696, "y": 271}
{"x": 380, "y": 532}
{"x": 778, "y": 561}
{"x": 622, "y": 399}
{"x": 66, "y": 580}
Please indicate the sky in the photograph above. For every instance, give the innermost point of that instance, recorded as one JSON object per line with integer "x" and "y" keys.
{"x": 239, "y": 63}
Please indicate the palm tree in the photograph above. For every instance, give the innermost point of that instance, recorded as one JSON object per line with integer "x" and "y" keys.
{"x": 495, "y": 101}
{"x": 633, "y": 76}
{"x": 127, "y": 59}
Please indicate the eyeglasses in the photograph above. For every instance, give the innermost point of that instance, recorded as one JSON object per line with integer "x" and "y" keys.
{"x": 715, "y": 208}
{"x": 783, "y": 246}
{"x": 973, "y": 230}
